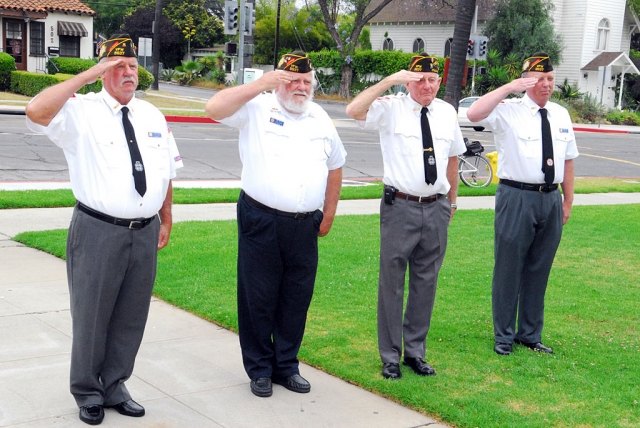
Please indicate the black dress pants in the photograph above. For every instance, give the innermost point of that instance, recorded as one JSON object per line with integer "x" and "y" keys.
{"x": 277, "y": 264}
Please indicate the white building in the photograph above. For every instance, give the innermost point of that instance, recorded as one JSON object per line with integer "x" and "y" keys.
{"x": 35, "y": 29}
{"x": 595, "y": 33}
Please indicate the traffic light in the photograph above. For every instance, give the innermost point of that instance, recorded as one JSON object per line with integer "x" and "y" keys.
{"x": 471, "y": 48}
{"x": 482, "y": 47}
{"x": 230, "y": 17}
{"x": 249, "y": 18}
{"x": 231, "y": 48}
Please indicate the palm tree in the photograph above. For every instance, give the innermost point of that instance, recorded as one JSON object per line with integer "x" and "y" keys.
{"x": 461, "y": 32}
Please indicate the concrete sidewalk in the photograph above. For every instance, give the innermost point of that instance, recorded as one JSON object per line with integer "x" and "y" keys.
{"x": 188, "y": 372}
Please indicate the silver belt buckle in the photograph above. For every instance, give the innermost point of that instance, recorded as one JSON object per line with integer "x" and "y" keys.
{"x": 132, "y": 223}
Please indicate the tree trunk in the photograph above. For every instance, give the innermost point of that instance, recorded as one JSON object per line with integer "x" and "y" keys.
{"x": 155, "y": 49}
{"x": 345, "y": 82}
{"x": 461, "y": 32}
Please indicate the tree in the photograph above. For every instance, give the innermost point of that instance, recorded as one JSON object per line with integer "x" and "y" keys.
{"x": 109, "y": 15}
{"x": 172, "y": 46}
{"x": 300, "y": 29}
{"x": 209, "y": 28}
{"x": 345, "y": 40}
{"x": 524, "y": 27}
{"x": 457, "y": 68}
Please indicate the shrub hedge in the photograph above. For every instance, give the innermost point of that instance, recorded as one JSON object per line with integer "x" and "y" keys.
{"x": 7, "y": 65}
{"x": 78, "y": 65}
{"x": 31, "y": 84}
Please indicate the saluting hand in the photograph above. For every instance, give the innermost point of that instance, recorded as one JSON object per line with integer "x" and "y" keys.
{"x": 522, "y": 84}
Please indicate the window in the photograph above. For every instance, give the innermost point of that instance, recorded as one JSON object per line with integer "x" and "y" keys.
{"x": 602, "y": 37}
{"x": 37, "y": 38}
{"x": 387, "y": 45}
{"x": 447, "y": 47}
{"x": 70, "y": 46}
{"x": 418, "y": 45}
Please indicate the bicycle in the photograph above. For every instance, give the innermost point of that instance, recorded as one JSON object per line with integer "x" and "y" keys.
{"x": 473, "y": 168}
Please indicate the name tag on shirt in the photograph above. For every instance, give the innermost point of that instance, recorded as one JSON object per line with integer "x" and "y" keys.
{"x": 154, "y": 134}
{"x": 564, "y": 130}
{"x": 276, "y": 121}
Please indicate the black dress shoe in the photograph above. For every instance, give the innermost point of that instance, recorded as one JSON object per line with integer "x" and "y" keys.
{"x": 535, "y": 346}
{"x": 128, "y": 408}
{"x": 419, "y": 366}
{"x": 295, "y": 383}
{"x": 92, "y": 414}
{"x": 261, "y": 387}
{"x": 503, "y": 348}
{"x": 391, "y": 371}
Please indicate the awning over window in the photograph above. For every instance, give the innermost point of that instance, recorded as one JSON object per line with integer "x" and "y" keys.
{"x": 75, "y": 29}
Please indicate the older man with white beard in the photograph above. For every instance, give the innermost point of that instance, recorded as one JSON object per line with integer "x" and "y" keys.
{"x": 292, "y": 161}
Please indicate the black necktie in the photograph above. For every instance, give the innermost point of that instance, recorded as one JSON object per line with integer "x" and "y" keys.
{"x": 137, "y": 167}
{"x": 547, "y": 149}
{"x": 430, "y": 169}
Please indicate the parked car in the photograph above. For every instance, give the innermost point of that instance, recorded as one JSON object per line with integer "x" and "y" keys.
{"x": 464, "y": 105}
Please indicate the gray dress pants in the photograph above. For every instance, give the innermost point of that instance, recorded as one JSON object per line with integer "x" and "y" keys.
{"x": 528, "y": 228}
{"x": 411, "y": 233}
{"x": 111, "y": 270}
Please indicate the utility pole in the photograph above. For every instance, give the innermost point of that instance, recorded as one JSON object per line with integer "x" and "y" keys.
{"x": 156, "y": 45}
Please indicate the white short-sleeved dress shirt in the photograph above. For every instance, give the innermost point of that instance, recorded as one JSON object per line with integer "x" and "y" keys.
{"x": 397, "y": 118}
{"x": 517, "y": 128}
{"x": 89, "y": 130}
{"x": 286, "y": 158}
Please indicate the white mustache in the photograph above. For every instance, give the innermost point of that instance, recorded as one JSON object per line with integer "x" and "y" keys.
{"x": 127, "y": 79}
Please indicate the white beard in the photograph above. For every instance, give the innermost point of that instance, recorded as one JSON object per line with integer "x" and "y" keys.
{"x": 292, "y": 106}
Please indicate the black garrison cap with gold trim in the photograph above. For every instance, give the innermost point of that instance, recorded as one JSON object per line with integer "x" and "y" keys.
{"x": 297, "y": 62}
{"x": 539, "y": 61}
{"x": 118, "y": 45}
{"x": 424, "y": 63}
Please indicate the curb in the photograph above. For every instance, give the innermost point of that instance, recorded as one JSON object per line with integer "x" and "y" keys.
{"x": 189, "y": 119}
{"x": 603, "y": 131}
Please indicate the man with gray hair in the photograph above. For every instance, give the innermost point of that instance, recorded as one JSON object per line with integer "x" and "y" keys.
{"x": 122, "y": 157}
{"x": 292, "y": 161}
{"x": 536, "y": 147}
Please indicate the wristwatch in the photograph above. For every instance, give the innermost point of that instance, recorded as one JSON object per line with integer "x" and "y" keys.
{"x": 454, "y": 206}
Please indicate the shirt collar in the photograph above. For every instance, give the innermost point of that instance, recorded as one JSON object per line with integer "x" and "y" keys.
{"x": 533, "y": 107}
{"x": 417, "y": 107}
{"x": 114, "y": 105}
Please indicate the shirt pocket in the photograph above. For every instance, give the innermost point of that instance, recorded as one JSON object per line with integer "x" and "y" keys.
{"x": 529, "y": 142}
{"x": 560, "y": 143}
{"x": 276, "y": 142}
{"x": 154, "y": 149}
{"x": 442, "y": 141}
{"x": 408, "y": 138}
{"x": 113, "y": 152}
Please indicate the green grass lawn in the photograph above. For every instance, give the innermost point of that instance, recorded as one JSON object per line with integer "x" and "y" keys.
{"x": 592, "y": 318}
{"x": 64, "y": 198}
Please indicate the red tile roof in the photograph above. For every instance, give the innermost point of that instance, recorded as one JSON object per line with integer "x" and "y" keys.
{"x": 47, "y": 6}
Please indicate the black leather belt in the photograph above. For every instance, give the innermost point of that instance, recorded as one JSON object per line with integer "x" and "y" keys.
{"x": 263, "y": 207}
{"x": 421, "y": 199}
{"x": 131, "y": 223}
{"x": 542, "y": 188}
